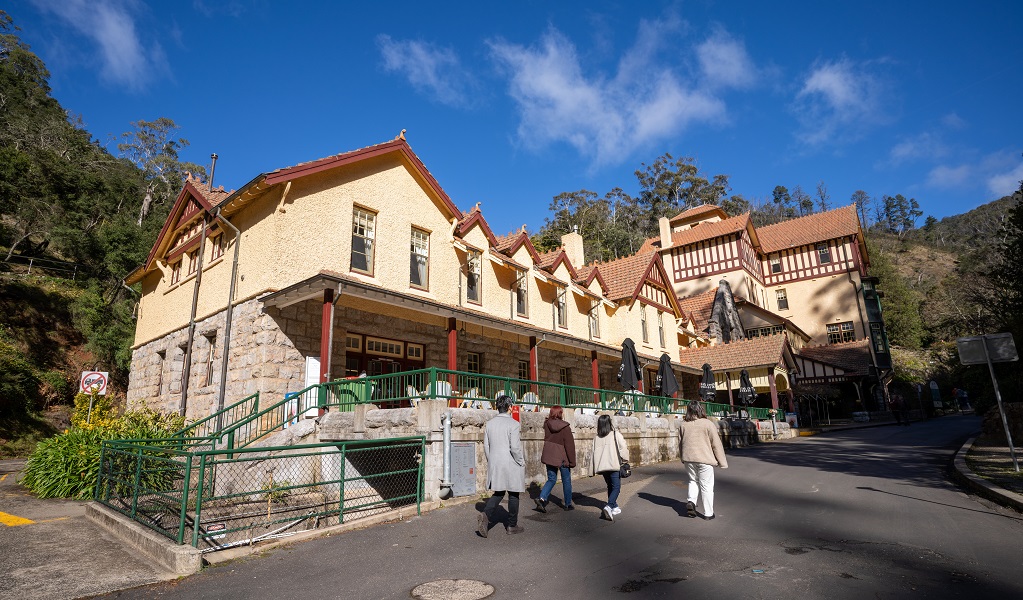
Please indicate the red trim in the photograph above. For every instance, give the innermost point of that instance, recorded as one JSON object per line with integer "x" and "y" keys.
{"x": 533, "y": 357}
{"x": 476, "y": 218}
{"x": 326, "y": 323}
{"x": 675, "y": 309}
{"x": 774, "y": 388}
{"x": 594, "y": 369}
{"x": 188, "y": 190}
{"x": 523, "y": 240}
{"x": 562, "y": 257}
{"x": 348, "y": 158}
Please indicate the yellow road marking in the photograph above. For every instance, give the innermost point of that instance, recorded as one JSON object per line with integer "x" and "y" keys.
{"x": 52, "y": 520}
{"x": 14, "y": 521}
{"x": 4, "y": 476}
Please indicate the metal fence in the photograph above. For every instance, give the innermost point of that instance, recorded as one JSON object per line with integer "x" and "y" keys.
{"x": 194, "y": 493}
{"x": 45, "y": 266}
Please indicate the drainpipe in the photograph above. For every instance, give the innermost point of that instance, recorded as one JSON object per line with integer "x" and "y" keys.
{"x": 185, "y": 376}
{"x": 230, "y": 312}
{"x": 445, "y": 484}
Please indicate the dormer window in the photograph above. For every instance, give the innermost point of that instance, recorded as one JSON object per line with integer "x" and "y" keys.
{"x": 520, "y": 292}
{"x": 776, "y": 264}
{"x": 561, "y": 308}
{"x": 175, "y": 272}
{"x": 473, "y": 278}
{"x": 824, "y": 251}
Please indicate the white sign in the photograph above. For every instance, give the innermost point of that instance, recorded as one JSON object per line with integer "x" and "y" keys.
{"x": 93, "y": 381}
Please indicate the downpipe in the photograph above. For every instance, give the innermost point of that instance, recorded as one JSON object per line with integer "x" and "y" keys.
{"x": 445, "y": 484}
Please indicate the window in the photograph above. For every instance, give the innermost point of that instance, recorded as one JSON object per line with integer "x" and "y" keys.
{"x": 877, "y": 336}
{"x": 212, "y": 339}
{"x": 384, "y": 347}
{"x": 474, "y": 365}
{"x": 561, "y": 308}
{"x": 176, "y": 272}
{"x": 825, "y": 253}
{"x": 474, "y": 277}
{"x": 642, "y": 322}
{"x": 563, "y": 375}
{"x": 415, "y": 351}
{"x": 841, "y": 332}
{"x": 218, "y": 246}
{"x": 783, "y": 299}
{"x": 523, "y": 369}
{"x": 776, "y": 264}
{"x": 660, "y": 327}
{"x": 363, "y": 234}
{"x": 419, "y": 275}
{"x": 353, "y": 343}
{"x": 594, "y": 317}
{"x": 764, "y": 331}
{"x": 521, "y": 295}
{"x": 193, "y": 261}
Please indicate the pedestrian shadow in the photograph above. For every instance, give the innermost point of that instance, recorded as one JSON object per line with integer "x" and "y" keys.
{"x": 986, "y": 512}
{"x": 674, "y": 503}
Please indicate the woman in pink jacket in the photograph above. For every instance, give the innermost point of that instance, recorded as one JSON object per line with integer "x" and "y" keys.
{"x": 701, "y": 450}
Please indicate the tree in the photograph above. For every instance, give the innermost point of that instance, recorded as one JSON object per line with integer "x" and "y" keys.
{"x": 670, "y": 185}
{"x": 823, "y": 198}
{"x": 901, "y": 305}
{"x": 803, "y": 201}
{"x": 736, "y": 205}
{"x": 899, "y": 214}
{"x": 862, "y": 201}
{"x": 149, "y": 147}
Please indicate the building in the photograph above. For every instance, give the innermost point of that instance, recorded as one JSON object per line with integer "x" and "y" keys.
{"x": 360, "y": 262}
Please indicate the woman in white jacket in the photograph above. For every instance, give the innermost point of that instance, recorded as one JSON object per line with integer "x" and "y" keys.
{"x": 701, "y": 451}
{"x": 609, "y": 450}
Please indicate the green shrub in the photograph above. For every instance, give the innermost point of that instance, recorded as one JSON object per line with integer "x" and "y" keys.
{"x": 101, "y": 415}
{"x": 18, "y": 382}
{"x": 67, "y": 465}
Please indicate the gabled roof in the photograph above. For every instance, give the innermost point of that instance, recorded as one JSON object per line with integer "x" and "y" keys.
{"x": 625, "y": 277}
{"x": 549, "y": 261}
{"x": 766, "y": 351}
{"x": 744, "y": 304}
{"x": 704, "y": 231}
{"x": 852, "y": 357}
{"x": 510, "y": 244}
{"x": 193, "y": 197}
{"x": 586, "y": 274}
{"x": 474, "y": 218}
{"x": 700, "y": 306}
{"x": 694, "y": 213}
{"x": 819, "y": 227}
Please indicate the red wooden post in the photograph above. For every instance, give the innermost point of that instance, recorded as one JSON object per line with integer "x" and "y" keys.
{"x": 774, "y": 388}
{"x": 326, "y": 335}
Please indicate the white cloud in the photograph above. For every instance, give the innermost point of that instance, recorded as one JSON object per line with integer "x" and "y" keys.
{"x": 607, "y": 117}
{"x": 953, "y": 121}
{"x": 431, "y": 70}
{"x": 1007, "y": 182}
{"x": 945, "y": 176}
{"x": 725, "y": 62}
{"x": 110, "y": 24}
{"x": 838, "y": 100}
{"x": 926, "y": 145}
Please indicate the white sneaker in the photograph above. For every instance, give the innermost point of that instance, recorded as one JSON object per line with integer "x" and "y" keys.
{"x": 609, "y": 513}
{"x": 616, "y": 510}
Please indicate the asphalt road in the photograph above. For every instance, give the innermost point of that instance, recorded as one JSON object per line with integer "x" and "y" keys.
{"x": 853, "y": 514}
{"x": 48, "y": 549}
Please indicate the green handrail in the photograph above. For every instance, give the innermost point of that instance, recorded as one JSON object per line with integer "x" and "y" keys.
{"x": 234, "y": 413}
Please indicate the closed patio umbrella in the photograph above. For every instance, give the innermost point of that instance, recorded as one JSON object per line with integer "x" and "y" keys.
{"x": 666, "y": 377}
{"x": 747, "y": 393}
{"x": 628, "y": 371}
{"x": 708, "y": 389}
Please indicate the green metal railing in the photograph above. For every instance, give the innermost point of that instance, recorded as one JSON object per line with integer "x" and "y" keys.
{"x": 214, "y": 498}
{"x": 215, "y": 423}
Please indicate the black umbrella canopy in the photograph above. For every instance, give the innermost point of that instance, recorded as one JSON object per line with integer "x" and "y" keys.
{"x": 747, "y": 393}
{"x": 708, "y": 389}
{"x": 628, "y": 371}
{"x": 666, "y": 377}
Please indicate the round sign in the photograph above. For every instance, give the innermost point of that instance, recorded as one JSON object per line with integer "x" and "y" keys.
{"x": 93, "y": 381}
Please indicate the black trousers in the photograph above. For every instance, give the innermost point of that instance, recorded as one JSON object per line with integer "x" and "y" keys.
{"x": 513, "y": 507}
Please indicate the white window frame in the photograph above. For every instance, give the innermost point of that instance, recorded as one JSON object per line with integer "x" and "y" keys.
{"x": 419, "y": 257}
{"x": 823, "y": 253}
{"x": 561, "y": 307}
{"x": 781, "y": 296}
{"x": 520, "y": 289}
{"x": 660, "y": 327}
{"x": 364, "y": 228}
{"x": 474, "y": 269}
{"x": 642, "y": 323}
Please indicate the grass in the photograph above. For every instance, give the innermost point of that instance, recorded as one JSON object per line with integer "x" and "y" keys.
{"x": 19, "y": 435}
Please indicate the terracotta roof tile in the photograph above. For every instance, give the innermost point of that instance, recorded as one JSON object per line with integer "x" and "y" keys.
{"x": 701, "y": 210}
{"x": 853, "y": 357}
{"x": 547, "y": 259}
{"x": 700, "y": 307}
{"x": 819, "y": 227}
{"x": 211, "y": 196}
{"x": 703, "y": 231}
{"x": 741, "y": 354}
{"x": 622, "y": 275}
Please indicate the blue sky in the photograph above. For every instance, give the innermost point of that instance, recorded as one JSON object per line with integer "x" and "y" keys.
{"x": 511, "y": 104}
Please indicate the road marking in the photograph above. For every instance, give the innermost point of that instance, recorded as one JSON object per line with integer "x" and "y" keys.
{"x": 4, "y": 476}
{"x": 52, "y": 520}
{"x": 14, "y": 521}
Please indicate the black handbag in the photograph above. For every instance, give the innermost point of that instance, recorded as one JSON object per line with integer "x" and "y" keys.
{"x": 626, "y": 469}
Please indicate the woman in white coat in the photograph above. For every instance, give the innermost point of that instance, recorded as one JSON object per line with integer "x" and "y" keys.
{"x": 701, "y": 450}
{"x": 506, "y": 470}
{"x": 609, "y": 450}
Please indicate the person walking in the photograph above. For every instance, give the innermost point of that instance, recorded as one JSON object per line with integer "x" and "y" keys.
{"x": 609, "y": 450}
{"x": 506, "y": 467}
{"x": 701, "y": 450}
{"x": 558, "y": 455}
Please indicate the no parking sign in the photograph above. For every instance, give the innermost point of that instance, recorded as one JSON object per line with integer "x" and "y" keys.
{"x": 93, "y": 381}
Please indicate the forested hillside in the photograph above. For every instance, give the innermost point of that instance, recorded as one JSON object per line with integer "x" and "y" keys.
{"x": 65, "y": 196}
{"x": 74, "y": 209}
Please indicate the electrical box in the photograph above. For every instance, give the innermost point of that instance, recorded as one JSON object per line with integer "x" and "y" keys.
{"x": 463, "y": 468}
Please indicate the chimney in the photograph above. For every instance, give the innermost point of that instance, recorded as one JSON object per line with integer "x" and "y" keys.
{"x": 665, "y": 226}
{"x": 573, "y": 245}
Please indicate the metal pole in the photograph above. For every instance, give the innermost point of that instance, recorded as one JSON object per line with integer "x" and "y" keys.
{"x": 1001, "y": 410}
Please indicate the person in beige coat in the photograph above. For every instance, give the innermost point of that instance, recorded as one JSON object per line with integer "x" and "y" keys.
{"x": 701, "y": 450}
{"x": 609, "y": 450}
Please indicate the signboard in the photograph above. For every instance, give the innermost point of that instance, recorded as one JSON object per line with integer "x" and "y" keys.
{"x": 215, "y": 531}
{"x": 1000, "y": 348}
{"x": 93, "y": 381}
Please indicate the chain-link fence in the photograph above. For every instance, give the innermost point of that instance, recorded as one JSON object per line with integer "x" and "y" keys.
{"x": 214, "y": 499}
